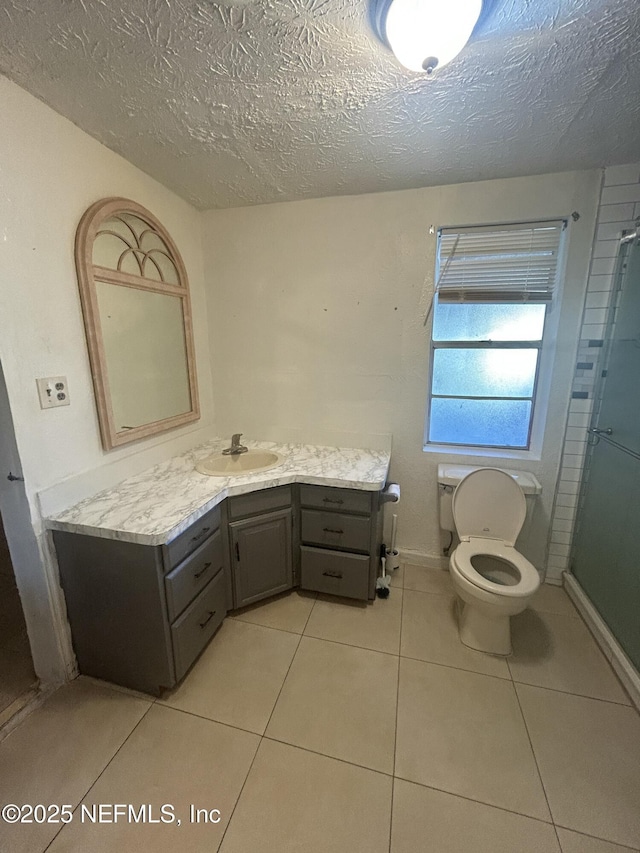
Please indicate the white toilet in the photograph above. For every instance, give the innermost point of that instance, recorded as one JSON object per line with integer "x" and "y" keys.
{"x": 493, "y": 580}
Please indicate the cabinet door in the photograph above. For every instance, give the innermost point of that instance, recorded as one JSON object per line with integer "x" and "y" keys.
{"x": 261, "y": 555}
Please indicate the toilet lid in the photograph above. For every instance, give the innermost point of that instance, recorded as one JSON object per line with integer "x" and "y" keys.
{"x": 488, "y": 503}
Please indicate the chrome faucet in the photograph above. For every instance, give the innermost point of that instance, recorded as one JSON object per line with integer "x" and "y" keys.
{"x": 236, "y": 447}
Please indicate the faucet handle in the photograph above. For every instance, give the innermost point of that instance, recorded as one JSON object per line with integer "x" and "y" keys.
{"x": 235, "y": 438}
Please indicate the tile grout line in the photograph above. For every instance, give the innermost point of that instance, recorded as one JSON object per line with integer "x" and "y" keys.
{"x": 324, "y": 639}
{"x": 569, "y": 692}
{"x": 598, "y": 838}
{"x": 235, "y": 805}
{"x": 326, "y": 755}
{"x": 296, "y": 746}
{"x": 479, "y": 802}
{"x": 260, "y": 625}
{"x": 501, "y": 678}
{"x": 577, "y": 695}
{"x": 165, "y": 704}
{"x": 438, "y": 663}
{"x": 513, "y": 684}
{"x": 284, "y": 680}
{"x": 366, "y": 648}
{"x": 284, "y": 630}
{"x": 315, "y": 601}
{"x": 531, "y": 745}
{"x": 351, "y": 646}
{"x": 535, "y": 759}
{"x": 100, "y": 774}
{"x": 428, "y": 591}
{"x": 262, "y": 736}
{"x": 208, "y": 719}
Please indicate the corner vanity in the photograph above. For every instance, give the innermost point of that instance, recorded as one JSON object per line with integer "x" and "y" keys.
{"x": 151, "y": 567}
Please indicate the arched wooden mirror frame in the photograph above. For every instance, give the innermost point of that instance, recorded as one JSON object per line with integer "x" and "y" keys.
{"x": 153, "y": 275}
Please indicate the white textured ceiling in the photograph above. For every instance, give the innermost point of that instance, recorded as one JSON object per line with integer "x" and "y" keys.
{"x": 255, "y": 101}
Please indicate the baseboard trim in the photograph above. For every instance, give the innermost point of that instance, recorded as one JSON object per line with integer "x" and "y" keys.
{"x": 419, "y": 558}
{"x": 611, "y": 648}
{"x": 22, "y": 707}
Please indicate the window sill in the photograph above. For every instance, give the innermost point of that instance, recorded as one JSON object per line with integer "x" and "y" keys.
{"x": 481, "y": 452}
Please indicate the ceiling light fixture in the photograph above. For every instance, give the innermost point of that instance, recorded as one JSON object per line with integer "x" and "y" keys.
{"x": 426, "y": 34}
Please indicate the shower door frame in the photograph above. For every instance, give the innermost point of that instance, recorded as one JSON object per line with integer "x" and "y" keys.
{"x": 609, "y": 643}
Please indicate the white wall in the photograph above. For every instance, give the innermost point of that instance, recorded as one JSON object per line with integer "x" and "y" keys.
{"x": 316, "y": 319}
{"x": 50, "y": 172}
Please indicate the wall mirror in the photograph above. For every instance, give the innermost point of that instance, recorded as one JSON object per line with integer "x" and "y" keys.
{"x": 137, "y": 314}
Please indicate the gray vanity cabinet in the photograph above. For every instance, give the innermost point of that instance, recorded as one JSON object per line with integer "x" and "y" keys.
{"x": 261, "y": 556}
{"x": 261, "y": 544}
{"x": 140, "y": 615}
{"x": 116, "y": 606}
{"x": 341, "y": 533}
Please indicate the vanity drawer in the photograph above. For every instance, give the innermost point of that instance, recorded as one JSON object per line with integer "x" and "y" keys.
{"x": 193, "y": 537}
{"x": 338, "y": 500}
{"x": 186, "y": 580}
{"x": 334, "y": 530}
{"x": 335, "y": 573}
{"x": 199, "y": 622}
{"x": 263, "y": 501}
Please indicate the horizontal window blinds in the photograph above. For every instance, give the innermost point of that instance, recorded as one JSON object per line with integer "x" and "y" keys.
{"x": 500, "y": 263}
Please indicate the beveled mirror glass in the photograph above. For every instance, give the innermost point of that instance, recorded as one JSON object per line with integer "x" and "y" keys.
{"x": 137, "y": 314}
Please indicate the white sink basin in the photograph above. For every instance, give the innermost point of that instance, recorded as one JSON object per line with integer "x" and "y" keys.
{"x": 238, "y": 464}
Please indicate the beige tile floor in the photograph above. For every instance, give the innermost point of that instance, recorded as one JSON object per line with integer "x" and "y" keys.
{"x": 318, "y": 726}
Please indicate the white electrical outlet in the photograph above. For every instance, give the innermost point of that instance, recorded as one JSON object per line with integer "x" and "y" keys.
{"x": 53, "y": 391}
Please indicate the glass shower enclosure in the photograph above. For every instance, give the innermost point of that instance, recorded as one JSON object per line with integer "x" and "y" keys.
{"x": 606, "y": 551}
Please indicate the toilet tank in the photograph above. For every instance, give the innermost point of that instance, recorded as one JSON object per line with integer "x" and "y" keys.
{"x": 449, "y": 476}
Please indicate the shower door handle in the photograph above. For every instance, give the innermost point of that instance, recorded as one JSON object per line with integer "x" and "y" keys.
{"x": 597, "y": 431}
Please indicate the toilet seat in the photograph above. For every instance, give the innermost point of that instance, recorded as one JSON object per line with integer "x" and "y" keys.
{"x": 481, "y": 546}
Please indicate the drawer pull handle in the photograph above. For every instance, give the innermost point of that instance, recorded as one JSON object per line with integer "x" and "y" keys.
{"x": 202, "y": 533}
{"x": 337, "y": 575}
{"x": 331, "y": 530}
{"x": 199, "y": 574}
{"x": 212, "y": 613}
{"x": 332, "y": 501}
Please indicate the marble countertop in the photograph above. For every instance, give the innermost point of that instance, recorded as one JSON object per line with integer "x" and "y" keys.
{"x": 157, "y": 505}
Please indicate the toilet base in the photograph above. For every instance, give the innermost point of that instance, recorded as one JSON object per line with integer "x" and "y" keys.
{"x": 484, "y": 632}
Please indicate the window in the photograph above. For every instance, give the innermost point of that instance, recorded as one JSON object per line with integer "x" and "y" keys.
{"x": 494, "y": 286}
